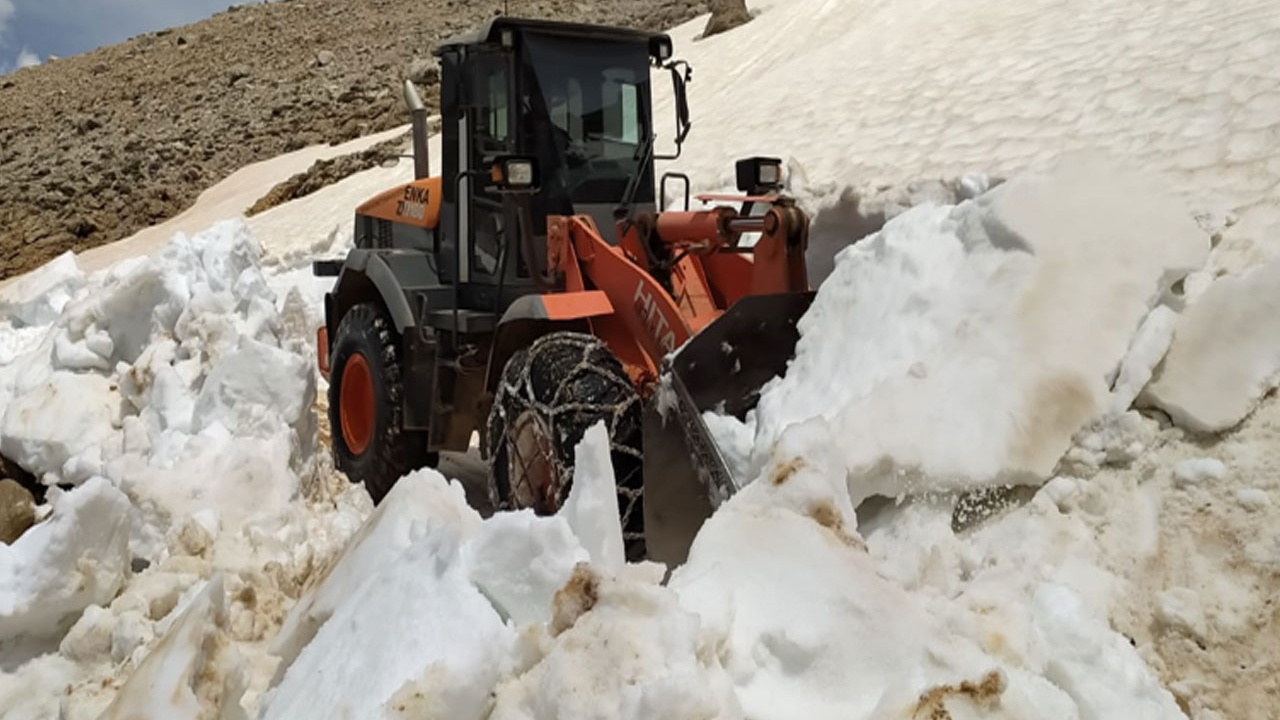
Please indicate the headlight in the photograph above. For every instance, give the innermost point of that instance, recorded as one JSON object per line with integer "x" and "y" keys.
{"x": 769, "y": 174}
{"x": 759, "y": 174}
{"x": 513, "y": 174}
{"x": 519, "y": 173}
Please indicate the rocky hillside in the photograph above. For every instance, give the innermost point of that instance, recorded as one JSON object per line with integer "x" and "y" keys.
{"x": 98, "y": 146}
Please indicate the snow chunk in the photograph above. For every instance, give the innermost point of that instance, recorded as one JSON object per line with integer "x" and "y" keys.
{"x": 421, "y": 502}
{"x": 39, "y": 297}
{"x": 89, "y": 639}
{"x": 1197, "y": 470}
{"x": 968, "y": 326}
{"x": 1179, "y": 609}
{"x": 61, "y": 418}
{"x": 734, "y": 439}
{"x": 415, "y": 628}
{"x": 519, "y": 561}
{"x": 1225, "y": 354}
{"x": 631, "y": 652}
{"x": 1114, "y": 439}
{"x": 592, "y": 507}
{"x": 77, "y": 558}
{"x": 256, "y": 386}
{"x": 1149, "y": 346}
{"x": 193, "y": 672}
{"x": 1101, "y": 672}
{"x": 1253, "y": 499}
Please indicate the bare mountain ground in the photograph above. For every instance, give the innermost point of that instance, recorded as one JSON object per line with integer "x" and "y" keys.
{"x": 98, "y": 146}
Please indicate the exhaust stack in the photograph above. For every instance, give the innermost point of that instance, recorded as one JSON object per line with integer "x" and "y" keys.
{"x": 418, "y": 114}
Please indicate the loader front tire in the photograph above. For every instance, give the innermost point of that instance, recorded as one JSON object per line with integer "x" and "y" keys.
{"x": 370, "y": 445}
{"x": 549, "y": 395}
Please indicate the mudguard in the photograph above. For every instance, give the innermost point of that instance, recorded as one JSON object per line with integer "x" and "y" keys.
{"x": 390, "y": 272}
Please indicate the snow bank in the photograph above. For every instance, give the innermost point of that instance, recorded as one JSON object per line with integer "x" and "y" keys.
{"x": 993, "y": 328}
{"x": 169, "y": 376}
{"x": 173, "y": 392}
{"x": 76, "y": 558}
{"x": 1225, "y": 354}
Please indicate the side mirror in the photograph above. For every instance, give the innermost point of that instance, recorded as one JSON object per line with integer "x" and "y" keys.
{"x": 679, "y": 81}
{"x": 513, "y": 174}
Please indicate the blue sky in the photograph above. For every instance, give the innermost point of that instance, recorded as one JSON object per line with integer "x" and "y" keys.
{"x": 35, "y": 29}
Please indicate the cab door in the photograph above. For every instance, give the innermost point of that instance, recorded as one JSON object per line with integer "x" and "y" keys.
{"x": 493, "y": 227}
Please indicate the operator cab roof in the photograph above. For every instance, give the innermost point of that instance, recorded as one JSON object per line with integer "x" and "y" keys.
{"x": 491, "y": 32}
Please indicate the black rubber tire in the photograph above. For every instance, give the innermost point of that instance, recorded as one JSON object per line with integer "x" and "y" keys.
{"x": 571, "y": 381}
{"x": 393, "y": 451}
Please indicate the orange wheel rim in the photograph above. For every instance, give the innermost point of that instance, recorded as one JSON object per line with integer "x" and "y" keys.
{"x": 357, "y": 406}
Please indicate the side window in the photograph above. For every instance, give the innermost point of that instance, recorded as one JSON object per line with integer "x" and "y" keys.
{"x": 498, "y": 115}
{"x": 621, "y": 112}
{"x": 493, "y": 115}
{"x": 566, "y": 110}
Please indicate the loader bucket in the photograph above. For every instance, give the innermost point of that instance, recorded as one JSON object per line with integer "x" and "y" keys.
{"x": 721, "y": 368}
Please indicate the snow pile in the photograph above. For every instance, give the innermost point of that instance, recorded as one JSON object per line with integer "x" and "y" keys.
{"x": 432, "y": 601}
{"x": 60, "y": 567}
{"x": 170, "y": 372}
{"x": 998, "y": 315}
{"x": 175, "y": 400}
{"x": 780, "y": 610}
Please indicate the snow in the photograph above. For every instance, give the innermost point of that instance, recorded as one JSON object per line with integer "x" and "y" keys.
{"x": 1198, "y": 470}
{"x": 591, "y": 510}
{"x": 623, "y": 650}
{"x": 1003, "y": 339}
{"x": 975, "y": 312}
{"x": 1105, "y": 678}
{"x": 58, "y": 420}
{"x": 379, "y": 643}
{"x": 898, "y": 91}
{"x": 519, "y": 561}
{"x": 418, "y": 501}
{"x": 38, "y": 297}
{"x": 192, "y": 672}
{"x": 76, "y": 558}
{"x": 1253, "y": 498}
{"x": 1225, "y": 354}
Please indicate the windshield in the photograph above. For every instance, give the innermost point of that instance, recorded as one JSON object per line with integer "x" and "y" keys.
{"x": 585, "y": 108}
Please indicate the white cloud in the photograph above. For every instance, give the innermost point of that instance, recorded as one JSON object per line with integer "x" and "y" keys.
{"x": 6, "y": 12}
{"x": 26, "y": 58}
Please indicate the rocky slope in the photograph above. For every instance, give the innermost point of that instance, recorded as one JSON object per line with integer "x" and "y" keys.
{"x": 97, "y": 146}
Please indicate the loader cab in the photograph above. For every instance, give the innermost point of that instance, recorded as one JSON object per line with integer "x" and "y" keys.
{"x": 577, "y": 100}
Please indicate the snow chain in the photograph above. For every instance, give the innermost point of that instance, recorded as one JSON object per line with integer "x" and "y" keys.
{"x": 579, "y": 388}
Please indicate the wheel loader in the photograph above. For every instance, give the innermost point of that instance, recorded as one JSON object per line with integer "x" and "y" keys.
{"x": 539, "y": 285}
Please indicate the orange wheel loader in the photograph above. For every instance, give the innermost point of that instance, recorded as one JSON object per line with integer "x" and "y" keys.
{"x": 538, "y": 286}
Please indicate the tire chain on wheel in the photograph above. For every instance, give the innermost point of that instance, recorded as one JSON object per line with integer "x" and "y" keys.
{"x": 572, "y": 381}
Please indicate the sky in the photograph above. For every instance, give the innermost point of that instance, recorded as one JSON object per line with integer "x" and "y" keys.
{"x": 32, "y": 30}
